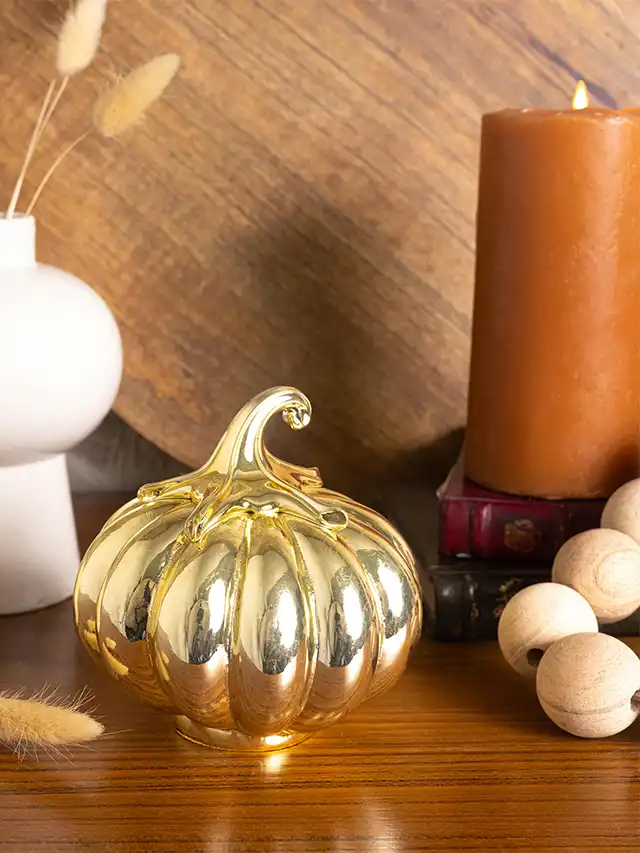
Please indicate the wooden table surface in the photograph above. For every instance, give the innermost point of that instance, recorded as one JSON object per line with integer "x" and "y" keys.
{"x": 457, "y": 757}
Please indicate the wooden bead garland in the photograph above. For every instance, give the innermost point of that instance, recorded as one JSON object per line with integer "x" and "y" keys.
{"x": 622, "y": 510}
{"x": 536, "y": 617}
{"x": 603, "y": 566}
{"x": 587, "y": 682}
{"x": 586, "y": 685}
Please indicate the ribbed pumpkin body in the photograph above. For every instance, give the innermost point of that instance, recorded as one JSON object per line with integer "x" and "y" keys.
{"x": 247, "y": 599}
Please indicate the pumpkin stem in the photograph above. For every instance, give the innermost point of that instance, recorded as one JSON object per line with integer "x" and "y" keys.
{"x": 242, "y": 447}
{"x": 264, "y": 498}
{"x": 187, "y": 487}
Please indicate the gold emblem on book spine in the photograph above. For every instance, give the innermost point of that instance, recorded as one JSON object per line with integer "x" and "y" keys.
{"x": 521, "y": 535}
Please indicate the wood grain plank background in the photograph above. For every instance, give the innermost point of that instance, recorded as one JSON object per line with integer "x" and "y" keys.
{"x": 300, "y": 208}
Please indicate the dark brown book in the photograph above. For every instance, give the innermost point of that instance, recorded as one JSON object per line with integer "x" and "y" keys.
{"x": 463, "y": 599}
{"x": 476, "y": 522}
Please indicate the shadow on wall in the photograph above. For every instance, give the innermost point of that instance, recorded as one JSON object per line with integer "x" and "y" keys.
{"x": 347, "y": 327}
{"x": 308, "y": 284}
{"x": 321, "y": 304}
{"x": 408, "y": 492}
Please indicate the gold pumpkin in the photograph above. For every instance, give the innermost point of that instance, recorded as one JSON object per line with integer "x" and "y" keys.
{"x": 246, "y": 598}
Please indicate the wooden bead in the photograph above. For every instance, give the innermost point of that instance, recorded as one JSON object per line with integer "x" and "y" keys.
{"x": 603, "y": 566}
{"x": 535, "y": 618}
{"x": 586, "y": 684}
{"x": 622, "y": 510}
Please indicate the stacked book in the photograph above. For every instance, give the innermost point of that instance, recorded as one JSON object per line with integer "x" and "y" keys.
{"x": 490, "y": 546}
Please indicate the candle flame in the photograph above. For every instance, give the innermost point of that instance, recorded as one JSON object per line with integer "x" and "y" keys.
{"x": 581, "y": 97}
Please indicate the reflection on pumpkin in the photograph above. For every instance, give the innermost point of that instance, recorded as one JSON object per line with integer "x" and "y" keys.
{"x": 245, "y": 597}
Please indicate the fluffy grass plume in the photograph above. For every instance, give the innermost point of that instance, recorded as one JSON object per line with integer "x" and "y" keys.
{"x": 78, "y": 42}
{"x": 26, "y": 724}
{"x": 122, "y": 106}
{"x": 79, "y": 36}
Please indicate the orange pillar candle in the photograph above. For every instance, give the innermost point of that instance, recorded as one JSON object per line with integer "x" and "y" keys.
{"x": 554, "y": 394}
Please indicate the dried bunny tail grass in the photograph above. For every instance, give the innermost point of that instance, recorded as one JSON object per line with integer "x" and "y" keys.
{"x": 121, "y": 107}
{"x": 79, "y": 36}
{"x": 78, "y": 42}
{"x": 45, "y": 721}
{"x": 125, "y": 103}
{"x": 33, "y": 141}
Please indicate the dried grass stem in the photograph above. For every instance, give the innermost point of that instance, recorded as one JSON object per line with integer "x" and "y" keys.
{"x": 35, "y": 136}
{"x": 52, "y": 169}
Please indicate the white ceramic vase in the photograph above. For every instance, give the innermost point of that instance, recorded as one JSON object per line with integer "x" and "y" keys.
{"x": 60, "y": 369}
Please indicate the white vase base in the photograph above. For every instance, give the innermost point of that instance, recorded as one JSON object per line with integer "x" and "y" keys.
{"x": 39, "y": 555}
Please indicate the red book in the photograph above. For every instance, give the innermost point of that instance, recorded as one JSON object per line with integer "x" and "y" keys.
{"x": 476, "y": 522}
